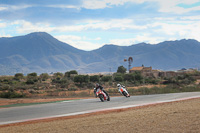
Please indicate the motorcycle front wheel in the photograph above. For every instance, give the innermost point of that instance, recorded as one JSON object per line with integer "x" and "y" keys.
{"x": 108, "y": 99}
{"x": 125, "y": 94}
{"x": 101, "y": 97}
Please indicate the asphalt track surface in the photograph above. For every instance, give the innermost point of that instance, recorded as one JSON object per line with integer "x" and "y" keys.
{"x": 74, "y": 107}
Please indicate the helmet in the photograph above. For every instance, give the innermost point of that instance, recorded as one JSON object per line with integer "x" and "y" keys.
{"x": 118, "y": 85}
{"x": 97, "y": 84}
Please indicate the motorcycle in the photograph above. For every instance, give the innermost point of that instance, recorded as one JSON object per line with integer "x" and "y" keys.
{"x": 124, "y": 92}
{"x": 102, "y": 96}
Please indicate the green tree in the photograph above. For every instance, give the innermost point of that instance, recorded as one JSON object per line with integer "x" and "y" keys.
{"x": 138, "y": 76}
{"x": 34, "y": 74}
{"x": 121, "y": 69}
{"x": 58, "y": 75}
{"x": 118, "y": 78}
{"x": 94, "y": 78}
{"x": 106, "y": 78}
{"x": 31, "y": 78}
{"x": 44, "y": 76}
{"x": 67, "y": 74}
{"x": 81, "y": 78}
{"x": 19, "y": 76}
{"x": 128, "y": 77}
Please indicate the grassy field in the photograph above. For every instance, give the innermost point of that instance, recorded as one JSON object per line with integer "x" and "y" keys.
{"x": 176, "y": 117}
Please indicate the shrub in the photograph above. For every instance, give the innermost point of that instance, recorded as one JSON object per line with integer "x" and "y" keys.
{"x": 11, "y": 94}
{"x": 29, "y": 81}
{"x": 72, "y": 72}
{"x": 72, "y": 89}
{"x": 118, "y": 78}
{"x": 94, "y": 78}
{"x": 121, "y": 69}
{"x": 106, "y": 78}
{"x": 44, "y": 76}
{"x": 81, "y": 78}
{"x": 18, "y": 76}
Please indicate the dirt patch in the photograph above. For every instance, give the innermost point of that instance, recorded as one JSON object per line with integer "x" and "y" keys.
{"x": 183, "y": 116}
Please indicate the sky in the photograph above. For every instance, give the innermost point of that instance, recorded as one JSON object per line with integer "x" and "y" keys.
{"x": 90, "y": 24}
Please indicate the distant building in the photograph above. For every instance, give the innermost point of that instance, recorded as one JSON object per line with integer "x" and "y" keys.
{"x": 168, "y": 74}
{"x": 149, "y": 72}
{"x": 145, "y": 71}
{"x": 140, "y": 69}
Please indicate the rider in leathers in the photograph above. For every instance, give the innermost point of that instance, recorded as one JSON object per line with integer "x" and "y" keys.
{"x": 121, "y": 86}
{"x": 99, "y": 87}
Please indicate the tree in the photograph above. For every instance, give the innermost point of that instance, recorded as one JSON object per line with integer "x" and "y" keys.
{"x": 94, "y": 78}
{"x": 67, "y": 74}
{"x": 81, "y": 78}
{"x": 31, "y": 78}
{"x": 128, "y": 77}
{"x": 34, "y": 74}
{"x": 121, "y": 69}
{"x": 19, "y": 76}
{"x": 118, "y": 78}
{"x": 58, "y": 75}
{"x": 106, "y": 78}
{"x": 44, "y": 76}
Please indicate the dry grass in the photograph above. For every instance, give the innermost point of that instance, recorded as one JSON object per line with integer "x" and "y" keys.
{"x": 176, "y": 117}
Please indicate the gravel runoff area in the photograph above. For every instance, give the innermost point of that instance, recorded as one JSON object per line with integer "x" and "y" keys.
{"x": 175, "y": 117}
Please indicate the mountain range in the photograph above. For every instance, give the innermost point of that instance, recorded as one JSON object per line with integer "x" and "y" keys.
{"x": 42, "y": 53}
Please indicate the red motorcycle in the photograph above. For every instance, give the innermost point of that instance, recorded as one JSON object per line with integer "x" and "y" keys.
{"x": 102, "y": 96}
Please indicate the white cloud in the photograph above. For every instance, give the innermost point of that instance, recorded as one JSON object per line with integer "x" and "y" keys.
{"x": 138, "y": 39}
{"x": 191, "y": 18}
{"x": 27, "y": 27}
{"x": 86, "y": 45}
{"x": 100, "y": 4}
{"x": 4, "y": 35}
{"x": 3, "y": 25}
{"x": 65, "y": 6}
{"x": 65, "y": 38}
{"x": 119, "y": 24}
{"x": 94, "y": 4}
{"x": 12, "y": 7}
{"x": 3, "y": 8}
{"x": 79, "y": 42}
{"x": 165, "y": 6}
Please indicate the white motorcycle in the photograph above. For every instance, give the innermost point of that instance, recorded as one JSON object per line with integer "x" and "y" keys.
{"x": 123, "y": 91}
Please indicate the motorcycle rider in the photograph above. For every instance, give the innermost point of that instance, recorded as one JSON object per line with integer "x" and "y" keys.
{"x": 98, "y": 86}
{"x": 122, "y": 86}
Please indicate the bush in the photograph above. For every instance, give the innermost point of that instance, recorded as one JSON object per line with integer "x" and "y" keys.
{"x": 106, "y": 78}
{"x": 19, "y": 76}
{"x": 118, "y": 78}
{"x": 121, "y": 69}
{"x": 72, "y": 72}
{"x": 81, "y": 78}
{"x": 29, "y": 81}
{"x": 4, "y": 87}
{"x": 11, "y": 94}
{"x": 94, "y": 78}
{"x": 44, "y": 76}
{"x": 72, "y": 89}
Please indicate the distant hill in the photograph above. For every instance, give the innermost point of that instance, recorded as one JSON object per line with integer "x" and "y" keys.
{"x": 40, "y": 52}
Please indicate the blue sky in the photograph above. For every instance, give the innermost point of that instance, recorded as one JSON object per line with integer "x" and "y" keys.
{"x": 90, "y": 24}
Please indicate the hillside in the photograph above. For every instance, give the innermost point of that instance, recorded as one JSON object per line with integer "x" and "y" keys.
{"x": 40, "y": 52}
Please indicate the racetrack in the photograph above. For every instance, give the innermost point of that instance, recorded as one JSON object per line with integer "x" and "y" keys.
{"x": 42, "y": 111}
